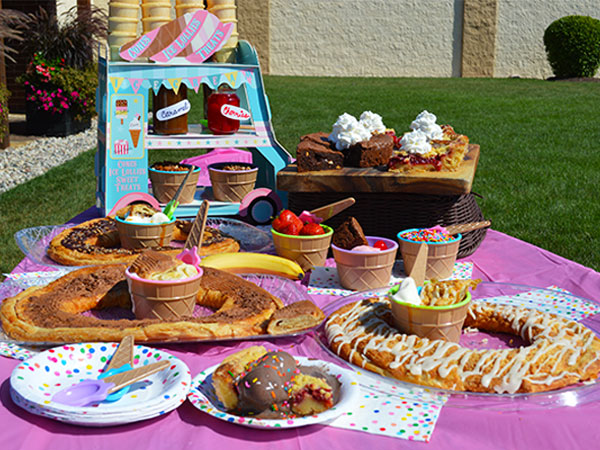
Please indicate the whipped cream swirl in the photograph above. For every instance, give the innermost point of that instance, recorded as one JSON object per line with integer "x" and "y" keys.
{"x": 426, "y": 122}
{"x": 347, "y": 130}
{"x": 415, "y": 142}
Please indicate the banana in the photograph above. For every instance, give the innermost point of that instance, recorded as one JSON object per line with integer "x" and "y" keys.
{"x": 247, "y": 262}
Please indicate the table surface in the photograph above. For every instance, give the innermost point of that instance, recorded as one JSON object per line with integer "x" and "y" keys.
{"x": 375, "y": 180}
{"x": 499, "y": 258}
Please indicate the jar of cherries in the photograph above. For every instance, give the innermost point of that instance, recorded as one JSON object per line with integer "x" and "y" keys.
{"x": 217, "y": 103}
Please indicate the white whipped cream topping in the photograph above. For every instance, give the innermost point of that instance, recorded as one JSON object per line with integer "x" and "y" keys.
{"x": 372, "y": 122}
{"x": 348, "y": 131}
{"x": 415, "y": 142}
{"x": 156, "y": 218}
{"x": 407, "y": 292}
{"x": 426, "y": 122}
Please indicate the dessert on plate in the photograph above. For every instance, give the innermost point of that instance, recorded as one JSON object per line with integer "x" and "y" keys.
{"x": 97, "y": 241}
{"x": 429, "y": 147}
{"x": 352, "y": 142}
{"x": 272, "y": 385}
{"x": 60, "y": 311}
{"x": 560, "y": 353}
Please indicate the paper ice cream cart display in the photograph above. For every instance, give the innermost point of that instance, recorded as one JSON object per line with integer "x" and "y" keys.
{"x": 171, "y": 56}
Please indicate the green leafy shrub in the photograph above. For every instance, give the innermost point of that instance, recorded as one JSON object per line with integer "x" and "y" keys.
{"x": 4, "y": 94}
{"x": 573, "y": 46}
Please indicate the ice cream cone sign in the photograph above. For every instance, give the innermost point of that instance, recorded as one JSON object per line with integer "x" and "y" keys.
{"x": 135, "y": 128}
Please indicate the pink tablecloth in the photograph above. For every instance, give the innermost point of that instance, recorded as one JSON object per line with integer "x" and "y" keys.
{"x": 499, "y": 258}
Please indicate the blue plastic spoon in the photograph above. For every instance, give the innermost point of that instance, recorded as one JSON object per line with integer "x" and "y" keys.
{"x": 91, "y": 391}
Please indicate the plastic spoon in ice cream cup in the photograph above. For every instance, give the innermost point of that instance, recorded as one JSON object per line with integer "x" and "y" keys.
{"x": 92, "y": 391}
{"x": 323, "y": 213}
{"x": 174, "y": 203}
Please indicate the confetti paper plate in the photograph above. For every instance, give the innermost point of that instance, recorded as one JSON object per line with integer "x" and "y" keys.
{"x": 202, "y": 395}
{"x": 35, "y": 381}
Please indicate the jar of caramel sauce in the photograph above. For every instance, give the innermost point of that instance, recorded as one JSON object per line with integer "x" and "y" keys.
{"x": 170, "y": 111}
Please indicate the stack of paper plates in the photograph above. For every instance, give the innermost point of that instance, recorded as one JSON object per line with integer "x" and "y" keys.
{"x": 35, "y": 381}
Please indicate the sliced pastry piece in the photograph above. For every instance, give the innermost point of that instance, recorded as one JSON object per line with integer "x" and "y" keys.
{"x": 295, "y": 317}
{"x": 310, "y": 395}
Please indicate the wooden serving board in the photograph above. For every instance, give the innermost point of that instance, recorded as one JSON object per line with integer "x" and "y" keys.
{"x": 372, "y": 179}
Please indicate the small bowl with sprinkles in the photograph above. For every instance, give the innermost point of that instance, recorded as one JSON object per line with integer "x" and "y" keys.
{"x": 442, "y": 249}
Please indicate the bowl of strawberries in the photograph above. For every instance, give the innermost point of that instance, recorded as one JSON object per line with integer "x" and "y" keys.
{"x": 301, "y": 238}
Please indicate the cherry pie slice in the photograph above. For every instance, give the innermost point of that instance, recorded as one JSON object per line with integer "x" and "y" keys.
{"x": 446, "y": 154}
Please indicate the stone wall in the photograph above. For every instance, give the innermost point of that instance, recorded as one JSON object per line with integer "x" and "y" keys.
{"x": 358, "y": 38}
{"x": 521, "y": 25}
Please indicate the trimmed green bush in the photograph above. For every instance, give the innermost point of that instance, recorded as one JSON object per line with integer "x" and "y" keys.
{"x": 573, "y": 46}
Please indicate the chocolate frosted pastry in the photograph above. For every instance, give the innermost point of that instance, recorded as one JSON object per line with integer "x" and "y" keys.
{"x": 272, "y": 385}
{"x": 151, "y": 262}
{"x": 54, "y": 313}
{"x": 97, "y": 241}
{"x": 349, "y": 234}
{"x": 375, "y": 152}
{"x": 315, "y": 152}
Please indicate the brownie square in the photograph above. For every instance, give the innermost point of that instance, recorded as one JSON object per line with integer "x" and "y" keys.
{"x": 374, "y": 152}
{"x": 315, "y": 152}
{"x": 349, "y": 234}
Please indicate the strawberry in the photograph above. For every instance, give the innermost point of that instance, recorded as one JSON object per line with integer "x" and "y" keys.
{"x": 380, "y": 245}
{"x": 311, "y": 229}
{"x": 292, "y": 228}
{"x": 287, "y": 216}
{"x": 277, "y": 224}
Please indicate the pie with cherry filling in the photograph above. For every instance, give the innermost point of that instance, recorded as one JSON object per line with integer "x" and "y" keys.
{"x": 446, "y": 154}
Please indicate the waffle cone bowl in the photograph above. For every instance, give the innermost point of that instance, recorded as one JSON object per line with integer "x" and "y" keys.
{"x": 144, "y": 235}
{"x": 163, "y": 300}
{"x": 166, "y": 182}
{"x": 232, "y": 185}
{"x": 431, "y": 322}
{"x": 360, "y": 271}
{"x": 307, "y": 251}
{"x": 441, "y": 256}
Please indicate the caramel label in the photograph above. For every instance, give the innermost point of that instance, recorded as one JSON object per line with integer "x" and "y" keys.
{"x": 175, "y": 110}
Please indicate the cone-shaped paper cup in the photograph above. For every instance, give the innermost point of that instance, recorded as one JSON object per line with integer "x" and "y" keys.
{"x": 224, "y": 11}
{"x": 156, "y": 9}
{"x": 129, "y": 2}
{"x": 122, "y": 24}
{"x": 191, "y": 2}
{"x": 441, "y": 256}
{"x": 359, "y": 271}
{"x": 125, "y": 10}
{"x": 213, "y": 3}
{"x": 232, "y": 185}
{"x": 119, "y": 38}
{"x": 173, "y": 299}
{"x": 165, "y": 184}
{"x": 431, "y": 322}
{"x": 151, "y": 23}
{"x": 307, "y": 251}
{"x": 144, "y": 235}
{"x": 180, "y": 10}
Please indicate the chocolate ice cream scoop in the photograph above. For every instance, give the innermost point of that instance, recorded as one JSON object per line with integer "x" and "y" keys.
{"x": 265, "y": 387}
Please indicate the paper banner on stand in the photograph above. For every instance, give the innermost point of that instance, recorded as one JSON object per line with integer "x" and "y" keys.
{"x": 175, "y": 84}
{"x": 156, "y": 85}
{"x": 247, "y": 76}
{"x": 116, "y": 83}
{"x": 195, "y": 82}
{"x": 135, "y": 83}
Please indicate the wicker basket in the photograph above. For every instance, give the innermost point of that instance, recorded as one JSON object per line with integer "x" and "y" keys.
{"x": 384, "y": 214}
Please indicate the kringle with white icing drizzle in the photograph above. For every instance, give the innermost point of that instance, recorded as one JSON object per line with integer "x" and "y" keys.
{"x": 561, "y": 352}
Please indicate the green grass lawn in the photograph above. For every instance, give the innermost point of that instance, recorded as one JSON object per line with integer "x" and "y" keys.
{"x": 539, "y": 169}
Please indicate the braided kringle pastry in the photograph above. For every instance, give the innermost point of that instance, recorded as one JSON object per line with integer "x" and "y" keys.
{"x": 561, "y": 351}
